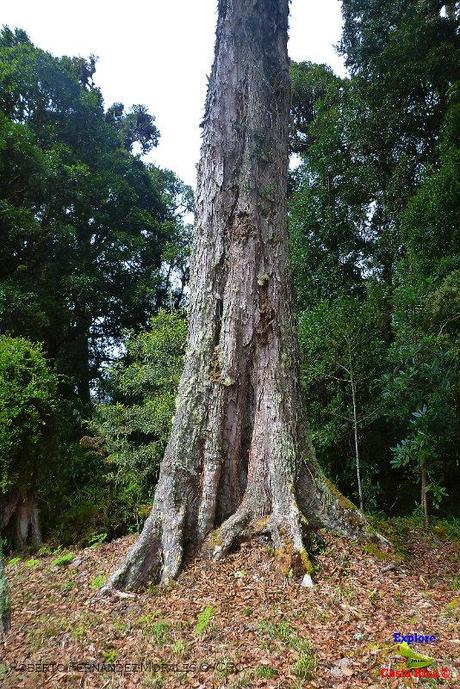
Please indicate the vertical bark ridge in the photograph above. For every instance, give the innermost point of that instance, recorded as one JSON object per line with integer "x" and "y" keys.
{"x": 20, "y": 517}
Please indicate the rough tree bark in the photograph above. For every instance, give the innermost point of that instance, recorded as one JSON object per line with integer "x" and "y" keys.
{"x": 4, "y": 601}
{"x": 19, "y": 517}
{"x": 27, "y": 525}
{"x": 238, "y": 461}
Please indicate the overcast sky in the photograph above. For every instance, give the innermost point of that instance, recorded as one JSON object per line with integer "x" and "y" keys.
{"x": 159, "y": 52}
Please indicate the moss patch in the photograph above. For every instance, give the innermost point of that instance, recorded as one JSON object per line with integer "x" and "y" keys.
{"x": 378, "y": 553}
{"x": 214, "y": 539}
{"x": 293, "y": 562}
{"x": 261, "y": 524}
{"x": 342, "y": 500}
{"x": 306, "y": 562}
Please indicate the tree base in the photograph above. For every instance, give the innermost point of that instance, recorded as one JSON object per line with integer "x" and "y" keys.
{"x": 19, "y": 518}
{"x": 158, "y": 554}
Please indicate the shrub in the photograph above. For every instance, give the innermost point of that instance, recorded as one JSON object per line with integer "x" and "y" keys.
{"x": 28, "y": 408}
{"x": 136, "y": 423}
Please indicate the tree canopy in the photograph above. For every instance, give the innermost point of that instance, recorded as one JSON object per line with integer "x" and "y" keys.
{"x": 94, "y": 270}
{"x": 84, "y": 221}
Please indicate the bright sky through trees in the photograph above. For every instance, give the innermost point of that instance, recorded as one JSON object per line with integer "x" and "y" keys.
{"x": 159, "y": 53}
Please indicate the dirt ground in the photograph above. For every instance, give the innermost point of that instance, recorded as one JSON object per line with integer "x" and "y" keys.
{"x": 237, "y": 623}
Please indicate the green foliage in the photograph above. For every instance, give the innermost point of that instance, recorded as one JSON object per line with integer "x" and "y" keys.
{"x": 329, "y": 205}
{"x": 14, "y": 561}
{"x": 284, "y": 632}
{"x": 452, "y": 610}
{"x": 96, "y": 539}
{"x": 342, "y": 353}
{"x": 159, "y": 631}
{"x": 136, "y": 423}
{"x": 179, "y": 647}
{"x": 63, "y": 560}
{"x": 83, "y": 220}
{"x": 44, "y": 550}
{"x": 374, "y": 218}
{"x": 110, "y": 656}
{"x": 421, "y": 393}
{"x": 86, "y": 506}
{"x": 98, "y": 581}
{"x": 32, "y": 563}
{"x": 266, "y": 672}
{"x": 203, "y": 620}
{"x": 455, "y": 584}
{"x": 28, "y": 409}
{"x": 92, "y": 243}
{"x": 447, "y": 529}
{"x": 304, "y": 667}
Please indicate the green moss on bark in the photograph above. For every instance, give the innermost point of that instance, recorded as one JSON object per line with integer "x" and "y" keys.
{"x": 294, "y": 562}
{"x": 342, "y": 500}
{"x": 213, "y": 540}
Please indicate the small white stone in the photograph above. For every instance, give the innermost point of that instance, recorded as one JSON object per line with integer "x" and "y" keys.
{"x": 76, "y": 563}
{"x": 307, "y": 581}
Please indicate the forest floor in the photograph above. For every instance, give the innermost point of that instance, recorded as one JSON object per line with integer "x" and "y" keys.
{"x": 237, "y": 623}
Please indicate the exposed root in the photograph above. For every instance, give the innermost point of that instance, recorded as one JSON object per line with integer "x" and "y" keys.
{"x": 383, "y": 542}
{"x": 221, "y": 540}
{"x": 143, "y": 561}
{"x": 325, "y": 506}
{"x": 285, "y": 531}
{"x": 158, "y": 553}
{"x": 172, "y": 545}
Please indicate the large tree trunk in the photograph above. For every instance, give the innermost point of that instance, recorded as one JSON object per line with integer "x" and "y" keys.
{"x": 27, "y": 525}
{"x": 4, "y": 601}
{"x": 8, "y": 507}
{"x": 19, "y": 518}
{"x": 238, "y": 460}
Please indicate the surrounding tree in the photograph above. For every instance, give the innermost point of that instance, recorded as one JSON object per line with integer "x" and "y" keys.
{"x": 329, "y": 205}
{"x": 404, "y": 58}
{"x": 28, "y": 406}
{"x": 375, "y": 203}
{"x": 422, "y": 392}
{"x": 342, "y": 350}
{"x": 84, "y": 221}
{"x": 238, "y": 460}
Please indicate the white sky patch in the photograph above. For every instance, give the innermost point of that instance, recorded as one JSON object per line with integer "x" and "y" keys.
{"x": 159, "y": 54}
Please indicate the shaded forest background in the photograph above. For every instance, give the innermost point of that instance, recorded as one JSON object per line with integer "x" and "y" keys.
{"x": 94, "y": 267}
